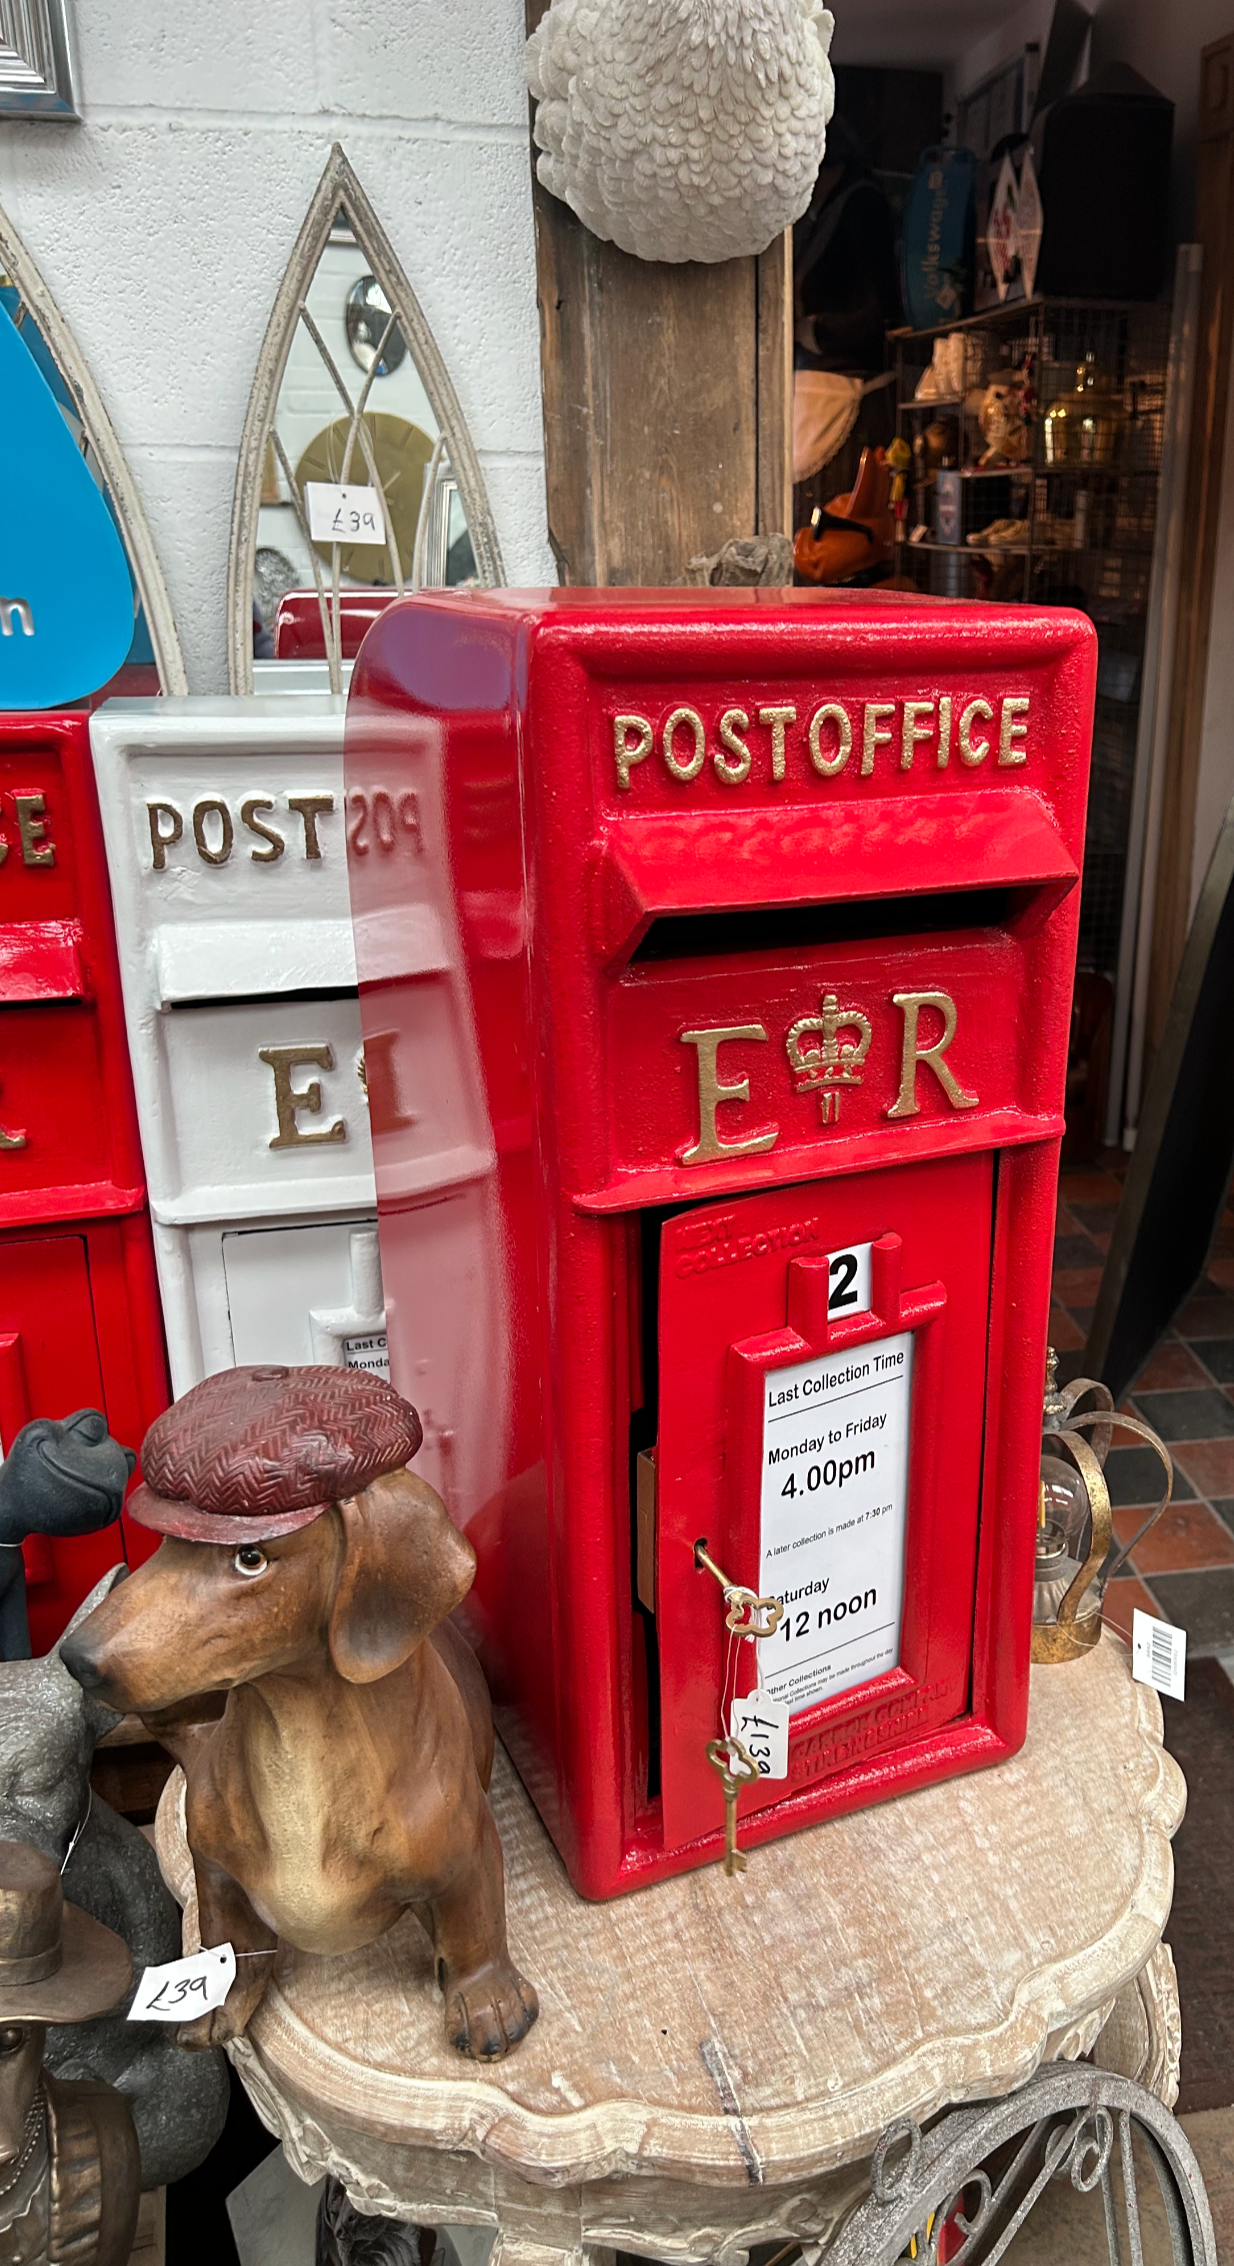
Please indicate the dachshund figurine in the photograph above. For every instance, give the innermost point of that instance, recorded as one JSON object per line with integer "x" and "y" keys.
{"x": 61, "y": 1476}
{"x": 69, "y": 2168}
{"x": 308, "y": 1573}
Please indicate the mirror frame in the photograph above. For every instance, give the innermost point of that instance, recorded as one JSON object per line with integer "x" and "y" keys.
{"x": 339, "y": 188}
{"x": 101, "y": 433}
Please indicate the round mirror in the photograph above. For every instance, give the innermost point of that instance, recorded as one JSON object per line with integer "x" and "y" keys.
{"x": 368, "y": 321}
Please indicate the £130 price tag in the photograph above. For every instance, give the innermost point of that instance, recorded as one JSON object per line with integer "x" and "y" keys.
{"x": 761, "y": 1724}
{"x": 339, "y": 514}
{"x": 185, "y": 1988}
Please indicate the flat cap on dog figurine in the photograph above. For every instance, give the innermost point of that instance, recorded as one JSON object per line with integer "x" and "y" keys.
{"x": 309, "y": 1574}
{"x": 70, "y": 2173}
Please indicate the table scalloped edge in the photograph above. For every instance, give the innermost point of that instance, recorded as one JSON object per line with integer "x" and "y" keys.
{"x": 614, "y": 2139}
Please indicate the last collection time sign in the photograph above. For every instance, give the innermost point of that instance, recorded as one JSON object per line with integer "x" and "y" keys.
{"x": 834, "y": 1512}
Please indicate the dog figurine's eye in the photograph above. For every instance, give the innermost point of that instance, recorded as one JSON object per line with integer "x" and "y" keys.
{"x": 250, "y": 1560}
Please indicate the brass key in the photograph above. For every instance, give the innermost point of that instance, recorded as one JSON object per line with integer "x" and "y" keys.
{"x": 722, "y": 1754}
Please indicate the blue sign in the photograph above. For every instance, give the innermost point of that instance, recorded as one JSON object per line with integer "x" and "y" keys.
{"x": 66, "y": 595}
{"x": 938, "y": 242}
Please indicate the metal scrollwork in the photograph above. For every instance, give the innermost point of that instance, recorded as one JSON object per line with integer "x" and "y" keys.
{"x": 885, "y": 2184}
{"x": 978, "y": 2173}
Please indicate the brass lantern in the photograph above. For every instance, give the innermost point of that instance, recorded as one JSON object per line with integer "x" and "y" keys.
{"x": 1076, "y": 1554}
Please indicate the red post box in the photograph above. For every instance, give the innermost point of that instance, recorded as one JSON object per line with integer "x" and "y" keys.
{"x": 80, "y": 1321}
{"x": 753, "y": 924}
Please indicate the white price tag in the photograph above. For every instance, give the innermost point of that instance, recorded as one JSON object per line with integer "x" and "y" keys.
{"x": 1158, "y": 1654}
{"x": 338, "y": 514}
{"x": 185, "y": 1988}
{"x": 761, "y": 1724}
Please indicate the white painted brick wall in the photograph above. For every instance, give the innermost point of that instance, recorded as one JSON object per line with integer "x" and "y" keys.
{"x": 163, "y": 224}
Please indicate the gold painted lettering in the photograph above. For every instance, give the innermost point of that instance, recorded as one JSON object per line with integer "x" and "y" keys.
{"x": 733, "y": 722}
{"x": 160, "y": 843}
{"x": 201, "y": 811}
{"x": 289, "y": 1100}
{"x": 927, "y": 1057}
{"x": 310, "y": 808}
{"x": 1009, "y": 730}
{"x": 627, "y": 753}
{"x": 693, "y": 763}
{"x": 911, "y": 731}
{"x": 777, "y": 718}
{"x": 379, "y": 1080}
{"x": 973, "y": 751}
{"x": 874, "y": 733}
{"x": 275, "y": 843}
{"x": 32, "y": 827}
{"x": 831, "y": 712}
{"x": 944, "y": 730}
{"x": 711, "y": 1093}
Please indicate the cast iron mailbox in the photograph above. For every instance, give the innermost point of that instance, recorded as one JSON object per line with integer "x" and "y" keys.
{"x": 760, "y": 918}
{"x": 79, "y": 1310}
{"x": 224, "y": 827}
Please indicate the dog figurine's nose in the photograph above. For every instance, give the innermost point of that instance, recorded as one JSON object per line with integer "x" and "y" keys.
{"x": 78, "y": 1657}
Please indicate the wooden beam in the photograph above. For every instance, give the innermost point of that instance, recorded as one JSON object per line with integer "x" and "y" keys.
{"x": 1214, "y": 229}
{"x": 667, "y": 394}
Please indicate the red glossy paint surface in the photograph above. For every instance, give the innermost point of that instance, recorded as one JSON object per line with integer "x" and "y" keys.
{"x": 569, "y": 917}
{"x": 298, "y": 634}
{"x": 80, "y": 1320}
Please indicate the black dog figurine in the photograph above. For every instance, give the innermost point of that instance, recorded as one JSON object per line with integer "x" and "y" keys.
{"x": 61, "y": 1476}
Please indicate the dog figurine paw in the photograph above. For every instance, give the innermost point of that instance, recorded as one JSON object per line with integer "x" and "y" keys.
{"x": 309, "y": 1575}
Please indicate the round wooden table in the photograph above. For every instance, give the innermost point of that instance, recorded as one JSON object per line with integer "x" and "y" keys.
{"x": 716, "y": 2058}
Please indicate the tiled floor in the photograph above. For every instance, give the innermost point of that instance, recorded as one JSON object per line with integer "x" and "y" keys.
{"x": 1184, "y": 1570}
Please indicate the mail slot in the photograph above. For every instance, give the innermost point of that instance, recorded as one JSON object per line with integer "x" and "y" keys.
{"x": 756, "y": 923}
{"x": 224, "y": 823}
{"x": 79, "y": 1310}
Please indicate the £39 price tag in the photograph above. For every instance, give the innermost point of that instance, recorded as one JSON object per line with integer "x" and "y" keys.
{"x": 1158, "y": 1654}
{"x": 761, "y": 1724}
{"x": 338, "y": 514}
{"x": 185, "y": 1988}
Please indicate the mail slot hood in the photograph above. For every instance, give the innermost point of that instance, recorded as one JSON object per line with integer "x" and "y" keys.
{"x": 921, "y": 846}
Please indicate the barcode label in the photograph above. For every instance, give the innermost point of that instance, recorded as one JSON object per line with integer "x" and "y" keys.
{"x": 1158, "y": 1654}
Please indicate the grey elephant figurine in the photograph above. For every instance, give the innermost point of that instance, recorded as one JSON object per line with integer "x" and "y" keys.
{"x": 62, "y": 1476}
{"x": 48, "y": 1731}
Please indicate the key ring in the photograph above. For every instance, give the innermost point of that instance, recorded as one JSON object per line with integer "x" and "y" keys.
{"x": 731, "y": 1746}
{"x": 741, "y": 1601}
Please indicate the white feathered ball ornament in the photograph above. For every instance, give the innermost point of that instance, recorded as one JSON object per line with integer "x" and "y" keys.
{"x": 683, "y": 129}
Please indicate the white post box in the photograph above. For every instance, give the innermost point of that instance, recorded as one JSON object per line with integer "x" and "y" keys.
{"x": 225, "y": 829}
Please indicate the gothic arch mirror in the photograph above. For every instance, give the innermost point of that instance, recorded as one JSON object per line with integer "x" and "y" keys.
{"x": 154, "y": 662}
{"x": 356, "y": 469}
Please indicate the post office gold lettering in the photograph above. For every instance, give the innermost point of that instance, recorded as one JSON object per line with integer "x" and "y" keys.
{"x": 802, "y": 742}
{"x": 219, "y": 832}
{"x": 290, "y": 1100}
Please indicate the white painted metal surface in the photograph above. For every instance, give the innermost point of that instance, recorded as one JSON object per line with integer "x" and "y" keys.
{"x": 224, "y": 823}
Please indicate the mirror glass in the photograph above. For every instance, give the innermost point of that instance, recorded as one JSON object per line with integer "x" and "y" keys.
{"x": 357, "y": 490}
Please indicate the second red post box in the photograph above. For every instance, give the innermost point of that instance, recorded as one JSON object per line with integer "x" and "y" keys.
{"x": 80, "y": 1320}
{"x": 753, "y": 922}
